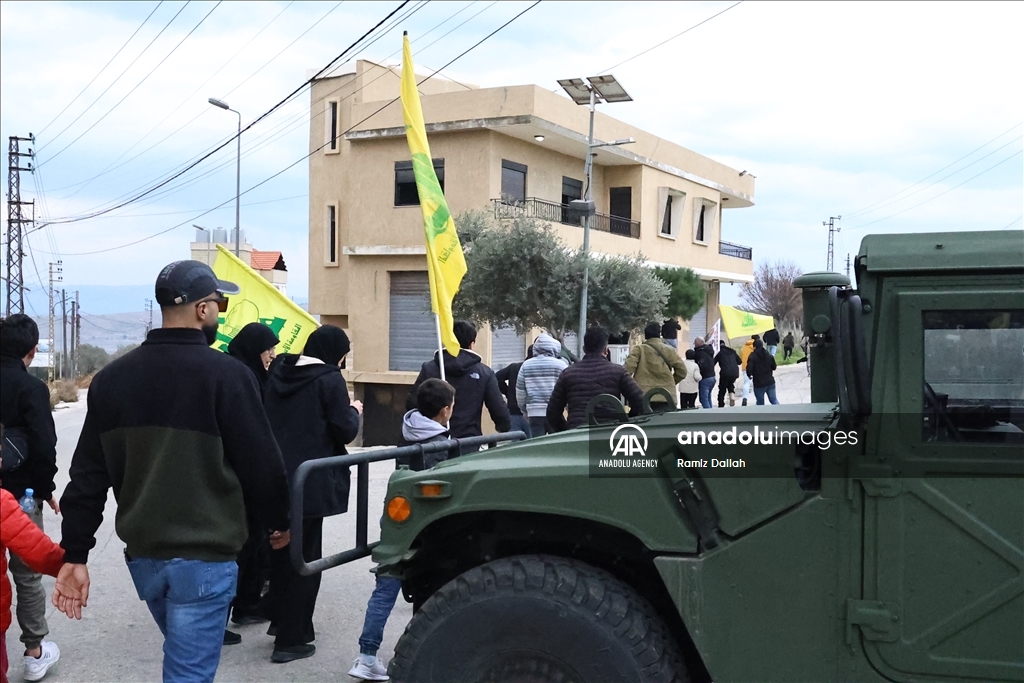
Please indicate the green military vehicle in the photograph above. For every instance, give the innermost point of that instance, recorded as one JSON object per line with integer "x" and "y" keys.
{"x": 886, "y": 546}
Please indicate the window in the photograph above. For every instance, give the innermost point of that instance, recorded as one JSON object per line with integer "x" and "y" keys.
{"x": 513, "y": 181}
{"x": 973, "y": 374}
{"x": 670, "y": 208}
{"x": 620, "y": 206}
{"x": 412, "y": 333}
{"x": 571, "y": 189}
{"x": 330, "y": 127}
{"x": 331, "y": 236}
{"x": 703, "y": 219}
{"x": 405, "y": 182}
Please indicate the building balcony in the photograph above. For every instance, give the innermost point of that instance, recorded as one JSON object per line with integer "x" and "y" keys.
{"x": 735, "y": 250}
{"x": 545, "y": 210}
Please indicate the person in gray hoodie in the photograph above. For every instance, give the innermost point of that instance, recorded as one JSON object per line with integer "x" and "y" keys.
{"x": 536, "y": 381}
{"x": 435, "y": 401}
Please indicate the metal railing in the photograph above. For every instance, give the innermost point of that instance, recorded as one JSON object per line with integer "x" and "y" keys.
{"x": 362, "y": 462}
{"x": 735, "y": 250}
{"x": 554, "y": 212}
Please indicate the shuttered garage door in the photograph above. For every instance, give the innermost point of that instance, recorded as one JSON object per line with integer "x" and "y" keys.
{"x": 507, "y": 347}
{"x": 412, "y": 334}
{"x": 699, "y": 324}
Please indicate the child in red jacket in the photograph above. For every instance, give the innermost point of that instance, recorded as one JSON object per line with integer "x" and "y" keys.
{"x": 27, "y": 541}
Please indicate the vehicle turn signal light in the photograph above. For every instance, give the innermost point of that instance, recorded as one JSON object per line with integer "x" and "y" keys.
{"x": 399, "y": 509}
{"x": 431, "y": 490}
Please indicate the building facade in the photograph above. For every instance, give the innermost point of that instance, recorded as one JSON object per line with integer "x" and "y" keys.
{"x": 510, "y": 150}
{"x": 269, "y": 265}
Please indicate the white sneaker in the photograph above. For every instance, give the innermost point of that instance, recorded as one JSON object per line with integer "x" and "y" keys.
{"x": 377, "y": 672}
{"x": 36, "y": 667}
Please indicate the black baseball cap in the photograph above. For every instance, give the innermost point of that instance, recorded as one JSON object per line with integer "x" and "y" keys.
{"x": 185, "y": 282}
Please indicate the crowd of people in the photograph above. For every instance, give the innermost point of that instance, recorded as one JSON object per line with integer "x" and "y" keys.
{"x": 199, "y": 448}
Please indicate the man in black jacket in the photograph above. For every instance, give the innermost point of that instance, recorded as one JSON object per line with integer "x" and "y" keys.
{"x": 771, "y": 341}
{"x": 474, "y": 383}
{"x": 507, "y": 378}
{"x": 704, "y": 357}
{"x": 728, "y": 362}
{"x": 178, "y": 430}
{"x": 25, "y": 413}
{"x": 582, "y": 381}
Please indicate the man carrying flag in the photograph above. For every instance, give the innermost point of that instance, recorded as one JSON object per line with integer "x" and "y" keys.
{"x": 456, "y": 361}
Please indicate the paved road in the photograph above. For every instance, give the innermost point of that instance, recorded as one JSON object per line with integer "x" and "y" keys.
{"x": 118, "y": 641}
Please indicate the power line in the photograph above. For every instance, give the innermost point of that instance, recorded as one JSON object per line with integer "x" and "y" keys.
{"x": 144, "y": 78}
{"x": 110, "y": 167}
{"x": 1012, "y": 222}
{"x": 314, "y": 151}
{"x": 123, "y": 72}
{"x": 640, "y": 54}
{"x": 98, "y": 73}
{"x": 154, "y": 188}
{"x": 879, "y": 220}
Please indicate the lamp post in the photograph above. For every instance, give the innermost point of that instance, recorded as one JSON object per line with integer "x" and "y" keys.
{"x": 208, "y": 248}
{"x": 238, "y": 173}
{"x": 597, "y": 88}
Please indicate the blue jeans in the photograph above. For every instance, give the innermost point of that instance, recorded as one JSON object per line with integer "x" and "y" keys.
{"x": 378, "y": 609}
{"x": 772, "y": 349}
{"x": 704, "y": 388}
{"x": 189, "y": 601}
{"x": 521, "y": 424}
{"x": 538, "y": 426}
{"x": 759, "y": 393}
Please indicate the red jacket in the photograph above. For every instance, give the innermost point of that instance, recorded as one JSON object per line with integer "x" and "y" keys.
{"x": 27, "y": 541}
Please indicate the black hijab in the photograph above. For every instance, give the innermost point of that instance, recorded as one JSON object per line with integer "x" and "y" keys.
{"x": 328, "y": 343}
{"x": 249, "y": 343}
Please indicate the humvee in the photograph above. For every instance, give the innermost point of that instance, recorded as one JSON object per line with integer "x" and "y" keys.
{"x": 893, "y": 554}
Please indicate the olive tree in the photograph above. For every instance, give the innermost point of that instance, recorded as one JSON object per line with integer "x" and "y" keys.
{"x": 686, "y": 293}
{"x": 522, "y": 275}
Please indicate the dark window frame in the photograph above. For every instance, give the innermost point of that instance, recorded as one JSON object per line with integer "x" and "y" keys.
{"x": 513, "y": 167}
{"x": 333, "y": 109}
{"x": 332, "y": 233}
{"x": 406, "y": 193}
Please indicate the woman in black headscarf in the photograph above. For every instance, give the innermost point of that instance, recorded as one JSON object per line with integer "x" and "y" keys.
{"x": 310, "y": 413}
{"x": 254, "y": 345}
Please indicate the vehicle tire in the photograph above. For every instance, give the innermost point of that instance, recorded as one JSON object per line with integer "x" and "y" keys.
{"x": 536, "y": 619}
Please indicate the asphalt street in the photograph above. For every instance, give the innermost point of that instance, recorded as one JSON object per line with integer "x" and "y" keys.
{"x": 116, "y": 640}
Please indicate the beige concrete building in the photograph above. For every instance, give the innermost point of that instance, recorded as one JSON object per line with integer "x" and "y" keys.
{"x": 269, "y": 264}
{"x": 510, "y": 150}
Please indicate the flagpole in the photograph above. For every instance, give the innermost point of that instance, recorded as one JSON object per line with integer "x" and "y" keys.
{"x": 440, "y": 346}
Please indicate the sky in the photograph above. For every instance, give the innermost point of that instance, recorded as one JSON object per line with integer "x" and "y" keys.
{"x": 900, "y": 117}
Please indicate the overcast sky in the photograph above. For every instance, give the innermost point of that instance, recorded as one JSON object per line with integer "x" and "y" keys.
{"x": 835, "y": 107}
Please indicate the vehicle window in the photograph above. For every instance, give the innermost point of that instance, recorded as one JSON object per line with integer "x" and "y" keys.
{"x": 974, "y": 376}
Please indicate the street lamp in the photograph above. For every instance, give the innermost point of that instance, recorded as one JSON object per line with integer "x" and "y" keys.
{"x": 208, "y": 247}
{"x": 238, "y": 172}
{"x": 607, "y": 89}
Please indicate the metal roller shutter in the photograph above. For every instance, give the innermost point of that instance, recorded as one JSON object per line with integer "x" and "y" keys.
{"x": 412, "y": 334}
{"x": 699, "y": 324}
{"x": 507, "y": 347}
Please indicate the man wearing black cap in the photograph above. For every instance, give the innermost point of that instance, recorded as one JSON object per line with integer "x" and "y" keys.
{"x": 178, "y": 430}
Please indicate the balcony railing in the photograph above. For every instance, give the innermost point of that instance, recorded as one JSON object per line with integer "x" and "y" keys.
{"x": 554, "y": 212}
{"x": 735, "y": 250}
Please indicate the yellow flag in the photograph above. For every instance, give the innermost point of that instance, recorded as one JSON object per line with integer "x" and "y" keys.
{"x": 259, "y": 301}
{"x": 446, "y": 263}
{"x": 741, "y": 324}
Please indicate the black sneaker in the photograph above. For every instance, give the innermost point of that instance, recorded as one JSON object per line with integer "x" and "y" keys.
{"x": 291, "y": 653}
{"x": 231, "y": 638}
{"x": 246, "y": 618}
{"x": 744, "y": 401}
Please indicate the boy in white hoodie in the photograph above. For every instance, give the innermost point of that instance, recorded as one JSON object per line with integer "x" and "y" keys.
{"x": 435, "y": 399}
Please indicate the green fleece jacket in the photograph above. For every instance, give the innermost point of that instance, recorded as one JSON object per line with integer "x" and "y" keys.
{"x": 656, "y": 364}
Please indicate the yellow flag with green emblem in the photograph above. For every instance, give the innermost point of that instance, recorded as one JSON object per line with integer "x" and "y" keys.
{"x": 742, "y": 324}
{"x": 258, "y": 301}
{"x": 446, "y": 263}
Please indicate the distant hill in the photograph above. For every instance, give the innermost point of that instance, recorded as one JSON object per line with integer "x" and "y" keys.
{"x": 109, "y": 332}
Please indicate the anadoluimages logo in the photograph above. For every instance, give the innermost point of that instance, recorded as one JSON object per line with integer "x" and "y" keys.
{"x": 628, "y": 440}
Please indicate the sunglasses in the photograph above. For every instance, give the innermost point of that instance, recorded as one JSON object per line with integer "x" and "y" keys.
{"x": 222, "y": 303}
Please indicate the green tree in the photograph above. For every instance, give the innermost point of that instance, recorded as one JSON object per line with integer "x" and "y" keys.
{"x": 91, "y": 358}
{"x": 686, "y": 293}
{"x": 122, "y": 350}
{"x": 521, "y": 275}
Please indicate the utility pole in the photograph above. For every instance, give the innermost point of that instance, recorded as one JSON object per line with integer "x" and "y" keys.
{"x": 149, "y": 309}
{"x": 832, "y": 230}
{"x": 56, "y": 275}
{"x": 15, "y": 282}
{"x": 64, "y": 368}
{"x": 74, "y": 353}
{"x": 847, "y": 265}
{"x": 77, "y": 317}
